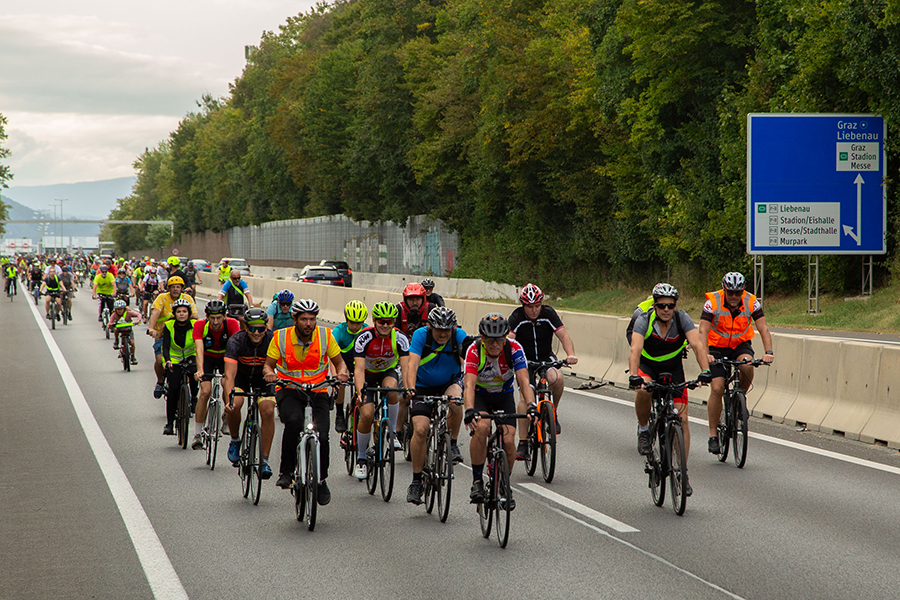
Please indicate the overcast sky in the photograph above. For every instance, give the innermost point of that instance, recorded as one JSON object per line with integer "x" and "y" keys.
{"x": 86, "y": 86}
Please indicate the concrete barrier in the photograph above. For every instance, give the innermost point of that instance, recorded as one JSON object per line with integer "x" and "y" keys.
{"x": 883, "y": 426}
{"x": 616, "y": 371}
{"x": 782, "y": 381}
{"x": 857, "y": 381}
{"x": 818, "y": 383}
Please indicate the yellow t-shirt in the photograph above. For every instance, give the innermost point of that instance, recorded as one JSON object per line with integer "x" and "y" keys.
{"x": 163, "y": 304}
{"x": 105, "y": 285}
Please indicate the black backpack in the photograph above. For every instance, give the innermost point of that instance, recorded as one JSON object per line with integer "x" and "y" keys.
{"x": 455, "y": 351}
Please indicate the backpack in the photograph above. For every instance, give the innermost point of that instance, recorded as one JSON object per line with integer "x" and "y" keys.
{"x": 470, "y": 339}
{"x": 644, "y": 307}
{"x": 429, "y": 348}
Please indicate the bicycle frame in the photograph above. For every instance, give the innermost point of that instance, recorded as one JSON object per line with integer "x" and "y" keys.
{"x": 382, "y": 420}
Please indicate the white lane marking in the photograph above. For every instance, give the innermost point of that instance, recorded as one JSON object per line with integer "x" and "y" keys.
{"x": 587, "y": 512}
{"x": 772, "y": 440}
{"x": 161, "y": 575}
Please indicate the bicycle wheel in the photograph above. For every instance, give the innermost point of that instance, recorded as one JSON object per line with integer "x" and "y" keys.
{"x": 256, "y": 464}
{"x": 406, "y": 437}
{"x": 722, "y": 429}
{"x": 430, "y": 473}
{"x": 531, "y": 456}
{"x": 372, "y": 464}
{"x": 311, "y": 482}
{"x": 739, "y": 436}
{"x": 125, "y": 352}
{"x": 503, "y": 496}
{"x": 53, "y": 313}
{"x": 386, "y": 468}
{"x": 444, "y": 478}
{"x": 184, "y": 415}
{"x": 213, "y": 426}
{"x": 654, "y": 467}
{"x": 348, "y": 442}
{"x": 548, "y": 444}
{"x": 485, "y": 509}
{"x": 677, "y": 466}
{"x": 297, "y": 487}
{"x": 65, "y": 314}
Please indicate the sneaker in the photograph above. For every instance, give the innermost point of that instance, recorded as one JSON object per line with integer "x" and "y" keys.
{"x": 197, "y": 443}
{"x": 158, "y": 390}
{"x": 265, "y": 471}
{"x": 688, "y": 490}
{"x": 285, "y": 480}
{"x": 414, "y": 493}
{"x": 324, "y": 494}
{"x": 713, "y": 446}
{"x": 476, "y": 494}
{"x": 133, "y": 360}
{"x": 361, "y": 470}
{"x": 522, "y": 450}
{"x": 558, "y": 430}
{"x": 116, "y": 345}
{"x": 455, "y": 454}
{"x": 169, "y": 429}
{"x": 340, "y": 421}
{"x": 644, "y": 443}
{"x": 234, "y": 452}
{"x": 398, "y": 445}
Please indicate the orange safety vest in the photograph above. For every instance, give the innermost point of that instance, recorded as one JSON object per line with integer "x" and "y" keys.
{"x": 728, "y": 331}
{"x": 313, "y": 368}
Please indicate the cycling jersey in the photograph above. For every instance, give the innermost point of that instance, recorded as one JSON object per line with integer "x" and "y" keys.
{"x": 494, "y": 375}
{"x": 215, "y": 342}
{"x": 658, "y": 348}
{"x": 281, "y": 319}
{"x": 536, "y": 337}
{"x": 248, "y": 358}
{"x": 105, "y": 285}
{"x": 443, "y": 366}
{"x": 344, "y": 338}
{"x": 380, "y": 353}
{"x": 123, "y": 285}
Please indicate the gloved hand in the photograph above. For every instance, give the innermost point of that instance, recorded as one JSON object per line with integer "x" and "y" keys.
{"x": 635, "y": 382}
{"x": 705, "y": 377}
{"x": 470, "y": 415}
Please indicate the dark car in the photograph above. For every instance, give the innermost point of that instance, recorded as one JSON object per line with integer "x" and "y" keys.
{"x": 201, "y": 265}
{"x": 326, "y": 275}
{"x": 343, "y": 268}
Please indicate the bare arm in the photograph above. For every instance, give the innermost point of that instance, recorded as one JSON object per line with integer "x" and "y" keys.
{"x": 699, "y": 348}
{"x": 567, "y": 345}
{"x": 763, "y": 328}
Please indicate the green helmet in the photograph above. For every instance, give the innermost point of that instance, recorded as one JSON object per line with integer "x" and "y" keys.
{"x": 356, "y": 311}
{"x": 385, "y": 310}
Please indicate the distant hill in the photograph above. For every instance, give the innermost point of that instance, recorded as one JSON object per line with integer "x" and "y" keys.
{"x": 85, "y": 200}
{"x": 20, "y": 212}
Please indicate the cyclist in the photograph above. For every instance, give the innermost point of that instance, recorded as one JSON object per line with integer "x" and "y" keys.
{"x": 173, "y": 269}
{"x": 245, "y": 357}
{"x": 726, "y": 328}
{"x": 210, "y": 337}
{"x": 660, "y": 337}
{"x": 160, "y": 313}
{"x": 35, "y": 276}
{"x": 380, "y": 354}
{"x": 52, "y": 283}
{"x": 124, "y": 287}
{"x": 236, "y": 291}
{"x": 413, "y": 310}
{"x": 104, "y": 285}
{"x": 68, "y": 280}
{"x": 491, "y": 365}
{"x": 533, "y": 325}
{"x": 279, "y": 311}
{"x": 121, "y": 313}
{"x": 224, "y": 272}
{"x": 177, "y": 346}
{"x": 434, "y": 370}
{"x": 9, "y": 272}
{"x": 191, "y": 278}
{"x": 301, "y": 354}
{"x": 430, "y": 297}
{"x": 345, "y": 334}
{"x": 149, "y": 288}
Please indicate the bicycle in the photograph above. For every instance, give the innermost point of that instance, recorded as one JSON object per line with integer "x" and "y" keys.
{"x": 250, "y": 463}
{"x": 106, "y": 300}
{"x": 668, "y": 458}
{"x": 126, "y": 334}
{"x": 11, "y": 288}
{"x": 305, "y": 487}
{"x": 380, "y": 456}
{"x": 542, "y": 433}
{"x": 437, "y": 474}
{"x": 184, "y": 408}
{"x": 735, "y": 417}
{"x": 212, "y": 429}
{"x": 405, "y": 434}
{"x": 348, "y": 437}
{"x": 498, "y": 501}
{"x": 36, "y": 292}
{"x": 54, "y": 309}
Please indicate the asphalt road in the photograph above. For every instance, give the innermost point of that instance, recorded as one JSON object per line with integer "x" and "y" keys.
{"x": 97, "y": 503}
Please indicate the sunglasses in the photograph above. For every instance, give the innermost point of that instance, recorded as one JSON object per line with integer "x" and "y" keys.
{"x": 494, "y": 341}
{"x": 665, "y": 305}
{"x": 384, "y": 322}
{"x": 257, "y": 329}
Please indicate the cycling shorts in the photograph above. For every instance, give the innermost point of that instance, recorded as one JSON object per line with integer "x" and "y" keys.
{"x": 377, "y": 380}
{"x": 494, "y": 402}
{"x": 676, "y": 369}
{"x": 211, "y": 364}
{"x": 426, "y": 409}
{"x": 744, "y": 347}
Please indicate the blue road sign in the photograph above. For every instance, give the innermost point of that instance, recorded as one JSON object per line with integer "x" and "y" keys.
{"x": 815, "y": 184}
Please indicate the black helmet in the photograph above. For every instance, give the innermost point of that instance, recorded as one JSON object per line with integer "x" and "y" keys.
{"x": 442, "y": 317}
{"x": 215, "y": 307}
{"x": 493, "y": 325}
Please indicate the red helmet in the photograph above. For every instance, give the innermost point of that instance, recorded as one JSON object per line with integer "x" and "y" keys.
{"x": 413, "y": 289}
{"x": 531, "y": 294}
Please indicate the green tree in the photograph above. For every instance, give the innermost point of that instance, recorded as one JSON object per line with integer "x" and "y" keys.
{"x": 5, "y": 172}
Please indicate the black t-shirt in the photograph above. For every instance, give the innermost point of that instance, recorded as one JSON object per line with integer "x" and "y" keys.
{"x": 249, "y": 358}
{"x": 536, "y": 337}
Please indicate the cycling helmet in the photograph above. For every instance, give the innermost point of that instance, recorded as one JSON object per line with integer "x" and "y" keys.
{"x": 664, "y": 290}
{"x": 734, "y": 282}
{"x": 256, "y": 317}
{"x": 493, "y": 325}
{"x": 531, "y": 294}
{"x": 413, "y": 289}
{"x": 215, "y": 307}
{"x": 179, "y": 303}
{"x": 285, "y": 296}
{"x": 119, "y": 304}
{"x": 104, "y": 267}
{"x": 442, "y": 318}
{"x": 174, "y": 261}
{"x": 304, "y": 306}
{"x": 428, "y": 283}
{"x": 176, "y": 280}
{"x": 385, "y": 310}
{"x": 356, "y": 311}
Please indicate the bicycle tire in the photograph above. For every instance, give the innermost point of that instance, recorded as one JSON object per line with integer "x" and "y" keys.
{"x": 184, "y": 415}
{"x": 677, "y": 466}
{"x": 444, "y": 483}
{"x": 244, "y": 463}
{"x": 531, "y": 455}
{"x": 256, "y": 464}
{"x": 213, "y": 427}
{"x": 655, "y": 469}
{"x": 548, "y": 444}
{"x": 348, "y": 440}
{"x": 723, "y": 429}
{"x": 372, "y": 464}
{"x": 297, "y": 488}
{"x": 311, "y": 483}
{"x": 406, "y": 437}
{"x": 53, "y": 313}
{"x": 386, "y": 467}
{"x": 502, "y": 497}
{"x": 65, "y": 314}
{"x": 485, "y": 513}
{"x": 739, "y": 435}
{"x": 125, "y": 342}
{"x": 106, "y": 322}
{"x": 430, "y": 473}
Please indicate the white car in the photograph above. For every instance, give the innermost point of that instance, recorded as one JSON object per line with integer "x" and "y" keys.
{"x": 238, "y": 264}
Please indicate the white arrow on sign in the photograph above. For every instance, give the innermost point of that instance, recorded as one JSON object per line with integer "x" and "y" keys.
{"x": 847, "y": 229}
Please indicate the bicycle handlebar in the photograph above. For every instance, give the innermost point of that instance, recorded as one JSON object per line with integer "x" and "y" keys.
{"x": 310, "y": 387}
{"x": 653, "y": 386}
{"x": 550, "y": 364}
{"x": 435, "y": 399}
{"x": 753, "y": 362}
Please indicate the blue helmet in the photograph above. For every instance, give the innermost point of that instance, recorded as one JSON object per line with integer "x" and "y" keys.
{"x": 285, "y": 296}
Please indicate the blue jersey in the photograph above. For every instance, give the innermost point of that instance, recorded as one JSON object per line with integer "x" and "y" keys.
{"x": 344, "y": 338}
{"x": 443, "y": 368}
{"x": 281, "y": 320}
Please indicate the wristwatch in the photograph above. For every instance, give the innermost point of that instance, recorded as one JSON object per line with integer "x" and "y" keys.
{"x": 770, "y": 352}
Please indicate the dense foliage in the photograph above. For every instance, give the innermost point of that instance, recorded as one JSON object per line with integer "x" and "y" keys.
{"x": 567, "y": 141}
{"x": 5, "y": 173}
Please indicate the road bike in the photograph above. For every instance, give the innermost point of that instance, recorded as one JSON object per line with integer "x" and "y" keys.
{"x": 105, "y": 300}
{"x": 348, "y": 437}
{"x": 251, "y": 461}
{"x": 184, "y": 407}
{"x": 36, "y": 292}
{"x": 542, "y": 432}
{"x": 405, "y": 434}
{"x": 126, "y": 335}
{"x": 307, "y": 471}
{"x": 11, "y": 288}
{"x": 498, "y": 501}
{"x": 380, "y": 455}
{"x": 668, "y": 456}
{"x": 735, "y": 417}
{"x": 212, "y": 428}
{"x": 437, "y": 474}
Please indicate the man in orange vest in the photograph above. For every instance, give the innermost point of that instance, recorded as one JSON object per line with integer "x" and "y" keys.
{"x": 301, "y": 353}
{"x": 726, "y": 327}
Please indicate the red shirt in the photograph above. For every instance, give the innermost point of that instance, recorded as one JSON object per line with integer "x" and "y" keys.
{"x": 217, "y": 348}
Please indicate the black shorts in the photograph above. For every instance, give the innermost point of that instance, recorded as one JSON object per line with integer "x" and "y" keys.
{"x": 728, "y": 354}
{"x": 532, "y": 374}
{"x": 426, "y": 409}
{"x": 497, "y": 402}
{"x": 673, "y": 367}
{"x": 212, "y": 364}
{"x": 376, "y": 379}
